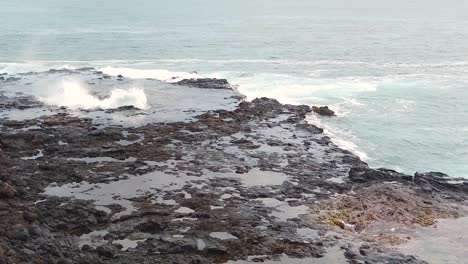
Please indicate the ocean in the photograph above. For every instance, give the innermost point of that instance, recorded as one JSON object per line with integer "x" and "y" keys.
{"x": 396, "y": 72}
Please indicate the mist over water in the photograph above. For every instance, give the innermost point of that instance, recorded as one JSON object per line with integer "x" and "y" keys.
{"x": 395, "y": 72}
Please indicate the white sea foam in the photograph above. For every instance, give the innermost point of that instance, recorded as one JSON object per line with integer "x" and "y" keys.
{"x": 159, "y": 74}
{"x": 352, "y": 101}
{"x": 348, "y": 145}
{"x": 339, "y": 137}
{"x": 128, "y": 243}
{"x": 34, "y": 157}
{"x": 354, "y": 86}
{"x": 294, "y": 90}
{"x": 74, "y": 95}
{"x": 346, "y": 106}
{"x": 295, "y": 93}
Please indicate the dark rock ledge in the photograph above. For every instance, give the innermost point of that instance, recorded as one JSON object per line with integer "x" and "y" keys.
{"x": 323, "y": 110}
{"x": 206, "y": 83}
{"x": 255, "y": 181}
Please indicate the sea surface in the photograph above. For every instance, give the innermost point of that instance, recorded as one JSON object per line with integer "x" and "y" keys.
{"x": 396, "y": 72}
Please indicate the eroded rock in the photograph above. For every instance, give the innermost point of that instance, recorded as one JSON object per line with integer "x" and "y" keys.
{"x": 6, "y": 190}
{"x": 206, "y": 83}
{"x": 323, "y": 110}
{"x": 254, "y": 182}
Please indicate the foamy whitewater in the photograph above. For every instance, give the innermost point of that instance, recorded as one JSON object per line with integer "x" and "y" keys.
{"x": 395, "y": 72}
{"x": 74, "y": 95}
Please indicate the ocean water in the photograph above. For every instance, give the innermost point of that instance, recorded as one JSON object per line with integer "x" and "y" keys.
{"x": 396, "y": 72}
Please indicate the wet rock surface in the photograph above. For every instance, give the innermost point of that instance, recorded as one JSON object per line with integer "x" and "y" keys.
{"x": 6, "y": 191}
{"x": 323, "y": 110}
{"x": 253, "y": 183}
{"x": 206, "y": 83}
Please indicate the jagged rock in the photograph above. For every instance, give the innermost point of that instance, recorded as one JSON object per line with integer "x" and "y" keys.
{"x": 4, "y": 160}
{"x": 14, "y": 123}
{"x": 363, "y": 175}
{"x": 281, "y": 163}
{"x": 18, "y": 232}
{"x": 71, "y": 215}
{"x": 24, "y": 141}
{"x": 323, "y": 110}
{"x": 53, "y": 71}
{"x": 6, "y": 190}
{"x": 105, "y": 251}
{"x": 133, "y": 137}
{"x": 150, "y": 227}
{"x": 239, "y": 97}
{"x": 3, "y": 206}
{"x": 127, "y": 108}
{"x": 36, "y": 231}
{"x": 20, "y": 102}
{"x": 441, "y": 180}
{"x": 85, "y": 69}
{"x": 65, "y": 261}
{"x": 206, "y": 83}
{"x": 29, "y": 216}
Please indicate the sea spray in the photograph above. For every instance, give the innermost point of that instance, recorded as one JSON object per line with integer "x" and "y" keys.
{"x": 74, "y": 95}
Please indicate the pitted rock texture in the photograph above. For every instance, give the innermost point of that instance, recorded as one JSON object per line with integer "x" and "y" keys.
{"x": 255, "y": 182}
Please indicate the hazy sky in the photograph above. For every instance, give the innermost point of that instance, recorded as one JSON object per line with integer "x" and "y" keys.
{"x": 430, "y": 9}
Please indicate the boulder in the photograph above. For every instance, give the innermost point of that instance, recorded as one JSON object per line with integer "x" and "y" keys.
{"x": 127, "y": 108}
{"x": 323, "y": 110}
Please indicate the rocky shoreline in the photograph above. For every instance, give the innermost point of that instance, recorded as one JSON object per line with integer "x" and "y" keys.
{"x": 242, "y": 182}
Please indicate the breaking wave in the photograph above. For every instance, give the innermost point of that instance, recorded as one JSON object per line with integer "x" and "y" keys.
{"x": 339, "y": 137}
{"x": 298, "y": 93}
{"x": 74, "y": 95}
